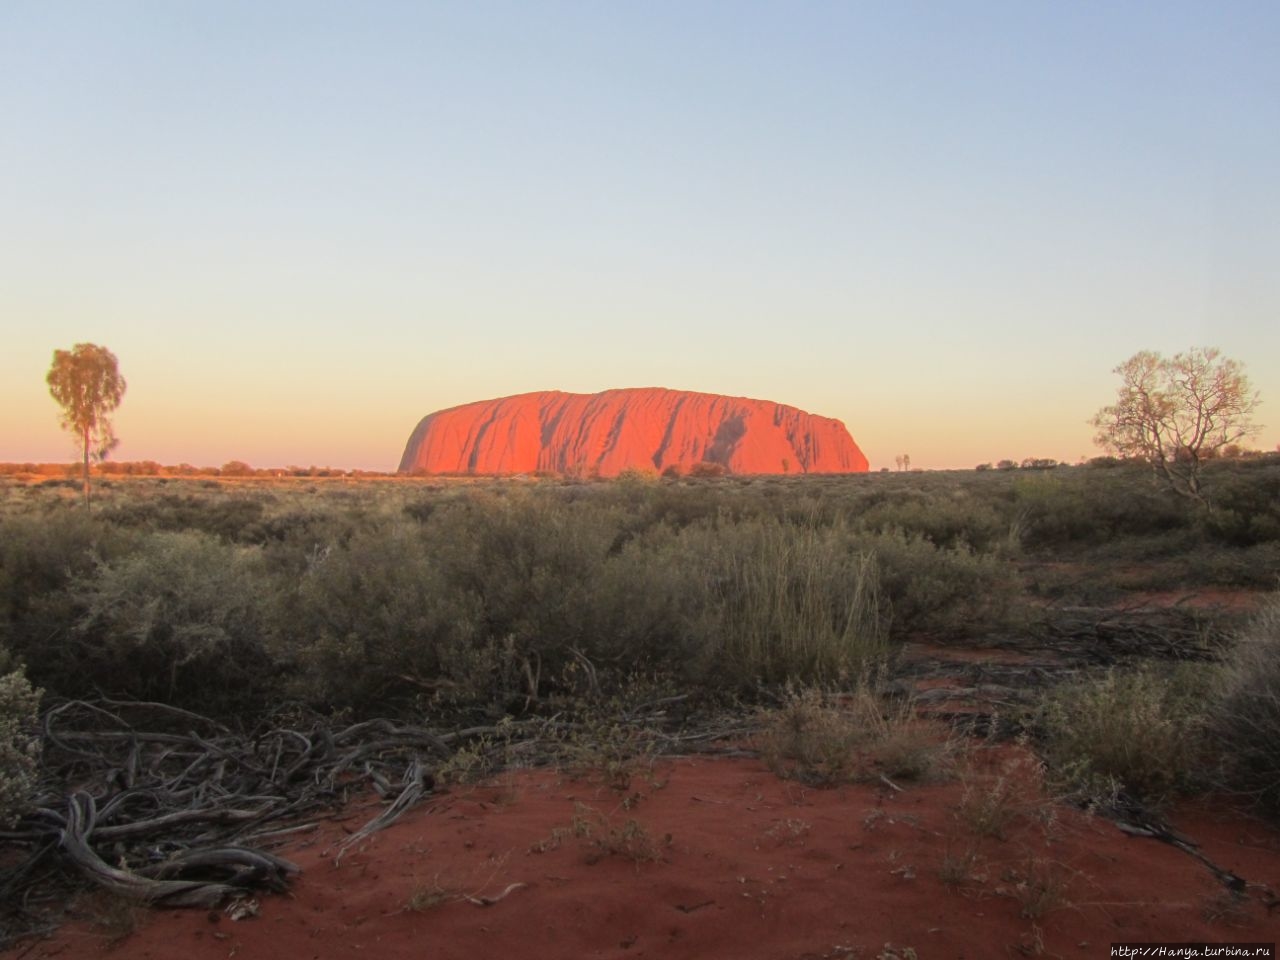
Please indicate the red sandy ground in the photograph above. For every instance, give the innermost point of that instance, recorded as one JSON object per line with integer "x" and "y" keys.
{"x": 750, "y": 866}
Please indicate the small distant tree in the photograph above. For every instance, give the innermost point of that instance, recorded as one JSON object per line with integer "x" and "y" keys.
{"x": 86, "y": 382}
{"x": 707, "y": 469}
{"x": 1177, "y": 412}
{"x": 236, "y": 468}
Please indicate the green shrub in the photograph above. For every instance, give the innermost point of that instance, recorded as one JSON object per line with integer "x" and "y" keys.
{"x": 942, "y": 591}
{"x": 1246, "y": 505}
{"x": 637, "y": 476}
{"x": 234, "y": 518}
{"x": 949, "y": 520}
{"x": 1245, "y": 717}
{"x": 643, "y": 602}
{"x": 179, "y": 620}
{"x": 706, "y": 470}
{"x": 19, "y": 744}
{"x": 530, "y": 561}
{"x": 1138, "y": 730}
{"x": 372, "y": 623}
{"x": 1253, "y": 567}
{"x": 1087, "y": 507}
{"x": 41, "y": 554}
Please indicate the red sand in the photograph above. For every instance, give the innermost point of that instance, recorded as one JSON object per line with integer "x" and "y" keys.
{"x": 1211, "y": 599}
{"x": 751, "y": 867}
{"x": 649, "y": 428}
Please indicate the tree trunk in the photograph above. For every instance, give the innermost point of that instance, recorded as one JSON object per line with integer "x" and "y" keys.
{"x": 85, "y": 438}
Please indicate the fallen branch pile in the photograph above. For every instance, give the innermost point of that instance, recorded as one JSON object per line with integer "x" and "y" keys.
{"x": 1106, "y": 636}
{"x": 167, "y": 807}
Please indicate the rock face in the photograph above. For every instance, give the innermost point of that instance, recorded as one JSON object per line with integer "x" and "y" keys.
{"x": 647, "y": 428}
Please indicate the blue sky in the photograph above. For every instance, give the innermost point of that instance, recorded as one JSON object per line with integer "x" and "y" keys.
{"x": 302, "y": 226}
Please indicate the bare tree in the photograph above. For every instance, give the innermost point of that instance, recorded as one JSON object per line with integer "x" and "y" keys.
{"x": 1177, "y": 412}
{"x": 86, "y": 382}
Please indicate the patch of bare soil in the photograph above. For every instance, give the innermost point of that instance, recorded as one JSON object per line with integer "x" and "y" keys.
{"x": 1207, "y": 599}
{"x": 719, "y": 858}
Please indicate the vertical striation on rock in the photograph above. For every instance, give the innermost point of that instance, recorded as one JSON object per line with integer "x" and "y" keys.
{"x": 648, "y": 428}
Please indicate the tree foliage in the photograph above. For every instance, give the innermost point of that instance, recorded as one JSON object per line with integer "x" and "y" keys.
{"x": 1177, "y": 412}
{"x": 86, "y": 383}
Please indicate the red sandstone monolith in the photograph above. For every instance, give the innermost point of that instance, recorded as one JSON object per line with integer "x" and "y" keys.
{"x": 647, "y": 428}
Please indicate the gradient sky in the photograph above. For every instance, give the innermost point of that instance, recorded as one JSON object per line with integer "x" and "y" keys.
{"x": 301, "y": 226}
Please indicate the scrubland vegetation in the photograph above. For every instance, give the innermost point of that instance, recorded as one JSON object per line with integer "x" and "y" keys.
{"x": 421, "y": 597}
{"x": 395, "y": 598}
{"x": 446, "y": 603}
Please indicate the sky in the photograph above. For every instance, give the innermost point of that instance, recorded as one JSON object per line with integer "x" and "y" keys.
{"x": 302, "y": 226}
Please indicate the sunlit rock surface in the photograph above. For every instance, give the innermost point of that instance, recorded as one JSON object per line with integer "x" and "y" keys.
{"x": 647, "y": 428}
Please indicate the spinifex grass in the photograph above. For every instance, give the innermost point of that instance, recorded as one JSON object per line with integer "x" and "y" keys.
{"x": 800, "y": 603}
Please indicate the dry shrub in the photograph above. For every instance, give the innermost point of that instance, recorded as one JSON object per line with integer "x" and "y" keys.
{"x": 958, "y": 867}
{"x": 824, "y": 740}
{"x": 425, "y": 897}
{"x": 1245, "y": 716}
{"x": 1041, "y": 886}
{"x": 607, "y": 751}
{"x": 990, "y": 805}
{"x": 630, "y": 839}
{"x": 111, "y": 915}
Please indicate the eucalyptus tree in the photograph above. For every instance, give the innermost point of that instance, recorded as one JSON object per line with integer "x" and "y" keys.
{"x": 1178, "y": 412}
{"x": 86, "y": 383}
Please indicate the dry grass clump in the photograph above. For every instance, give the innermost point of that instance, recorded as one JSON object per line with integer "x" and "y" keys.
{"x": 629, "y": 839}
{"x": 824, "y": 739}
{"x": 958, "y": 867}
{"x": 990, "y": 805}
{"x": 1245, "y": 717}
{"x": 112, "y": 916}
{"x": 795, "y": 601}
{"x": 425, "y": 897}
{"x": 604, "y": 837}
{"x": 607, "y": 751}
{"x": 1040, "y": 887}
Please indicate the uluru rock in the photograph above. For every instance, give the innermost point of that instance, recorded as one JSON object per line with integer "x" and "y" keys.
{"x": 646, "y": 428}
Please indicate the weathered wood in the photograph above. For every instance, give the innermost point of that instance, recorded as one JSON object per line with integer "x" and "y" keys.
{"x": 74, "y": 840}
{"x": 169, "y": 808}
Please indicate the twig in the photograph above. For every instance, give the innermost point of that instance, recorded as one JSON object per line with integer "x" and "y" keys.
{"x": 490, "y": 901}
